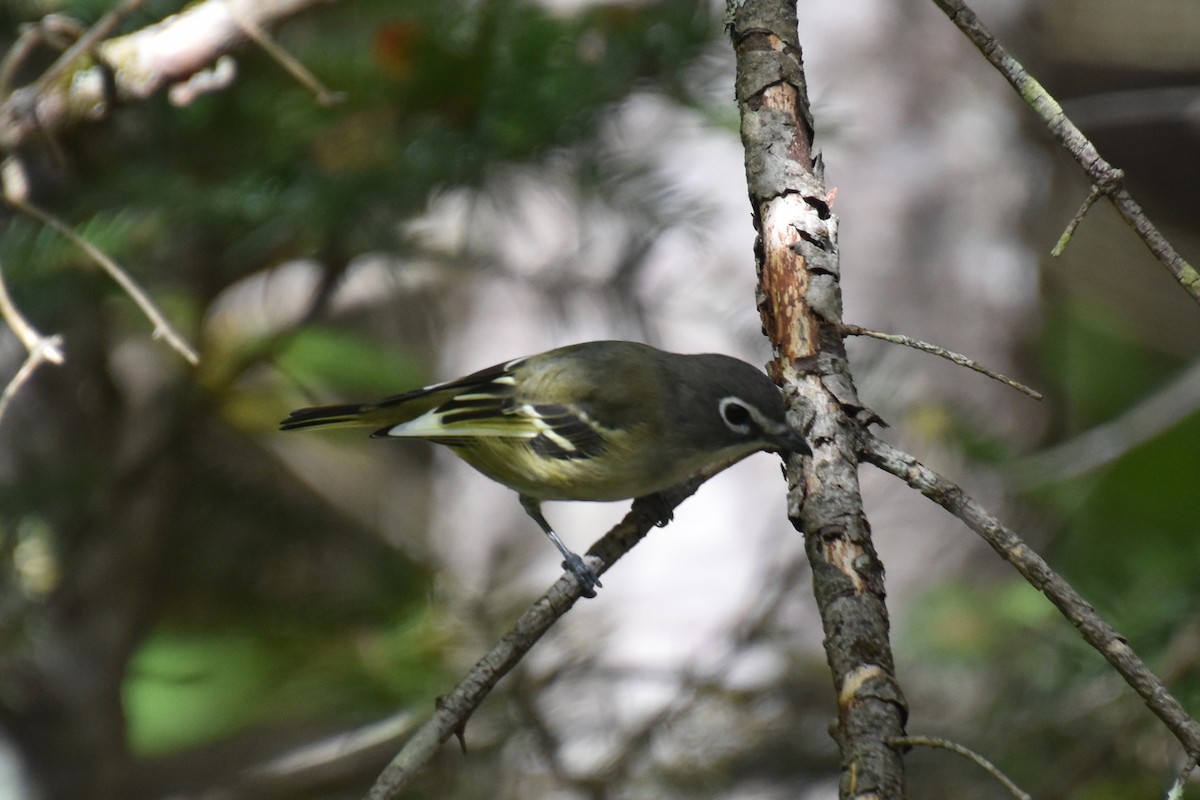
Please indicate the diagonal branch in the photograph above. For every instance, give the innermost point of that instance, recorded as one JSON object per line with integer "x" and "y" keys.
{"x": 967, "y": 753}
{"x": 86, "y": 43}
{"x": 135, "y": 66}
{"x": 455, "y": 708}
{"x": 949, "y": 355}
{"x": 1104, "y": 177}
{"x": 290, "y": 63}
{"x": 1095, "y": 630}
{"x": 162, "y": 326}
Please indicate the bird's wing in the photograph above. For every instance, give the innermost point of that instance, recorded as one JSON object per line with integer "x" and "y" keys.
{"x": 487, "y": 404}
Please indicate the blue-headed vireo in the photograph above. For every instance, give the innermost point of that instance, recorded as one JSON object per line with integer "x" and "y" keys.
{"x": 591, "y": 421}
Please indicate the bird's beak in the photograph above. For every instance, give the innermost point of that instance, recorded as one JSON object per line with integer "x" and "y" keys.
{"x": 788, "y": 441}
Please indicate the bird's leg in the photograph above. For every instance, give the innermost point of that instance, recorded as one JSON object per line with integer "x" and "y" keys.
{"x": 586, "y": 576}
{"x": 657, "y": 505}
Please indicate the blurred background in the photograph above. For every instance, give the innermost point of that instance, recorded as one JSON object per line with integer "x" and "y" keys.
{"x": 187, "y": 595}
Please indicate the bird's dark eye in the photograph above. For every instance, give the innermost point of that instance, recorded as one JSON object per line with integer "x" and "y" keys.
{"x": 736, "y": 414}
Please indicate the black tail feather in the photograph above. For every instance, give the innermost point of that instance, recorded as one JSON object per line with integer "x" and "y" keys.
{"x": 322, "y": 415}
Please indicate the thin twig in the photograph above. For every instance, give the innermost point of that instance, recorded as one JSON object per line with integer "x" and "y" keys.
{"x": 39, "y": 348}
{"x": 965, "y": 752}
{"x": 1061, "y": 245}
{"x": 22, "y": 327}
{"x": 30, "y": 38}
{"x": 1176, "y": 790}
{"x": 957, "y": 358}
{"x": 162, "y": 328}
{"x": 1104, "y": 177}
{"x": 87, "y": 42}
{"x": 286, "y": 60}
{"x": 1095, "y": 630}
{"x": 134, "y": 66}
{"x": 47, "y": 349}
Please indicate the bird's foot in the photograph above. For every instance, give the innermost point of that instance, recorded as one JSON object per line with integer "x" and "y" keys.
{"x": 587, "y": 577}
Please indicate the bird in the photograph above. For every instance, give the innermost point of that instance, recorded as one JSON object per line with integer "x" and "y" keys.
{"x": 595, "y": 421}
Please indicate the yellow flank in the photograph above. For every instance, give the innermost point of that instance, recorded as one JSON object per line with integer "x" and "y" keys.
{"x": 623, "y": 472}
{"x": 619, "y": 475}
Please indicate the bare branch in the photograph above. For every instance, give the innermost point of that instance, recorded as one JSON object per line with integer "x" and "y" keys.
{"x": 965, "y": 752}
{"x": 135, "y": 66}
{"x": 1095, "y": 630}
{"x": 331, "y": 758}
{"x": 85, "y": 43}
{"x": 1176, "y": 790}
{"x": 47, "y": 349}
{"x": 950, "y": 355}
{"x": 162, "y": 327}
{"x": 40, "y": 348}
{"x": 1104, "y": 177}
{"x": 53, "y": 30}
{"x": 286, "y": 60}
{"x": 455, "y": 708}
{"x": 1060, "y": 246}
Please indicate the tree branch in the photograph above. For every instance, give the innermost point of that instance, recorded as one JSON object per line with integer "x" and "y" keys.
{"x": 1176, "y": 790}
{"x": 1095, "y": 630}
{"x": 800, "y": 304}
{"x": 86, "y": 43}
{"x": 949, "y": 355}
{"x": 455, "y": 708}
{"x": 39, "y": 348}
{"x": 1104, "y": 177}
{"x": 967, "y": 753}
{"x": 162, "y": 326}
{"x": 135, "y": 66}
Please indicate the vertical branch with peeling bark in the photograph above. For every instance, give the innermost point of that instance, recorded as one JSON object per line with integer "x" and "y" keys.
{"x": 800, "y": 303}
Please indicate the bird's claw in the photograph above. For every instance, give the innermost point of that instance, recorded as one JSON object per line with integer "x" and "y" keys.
{"x": 587, "y": 577}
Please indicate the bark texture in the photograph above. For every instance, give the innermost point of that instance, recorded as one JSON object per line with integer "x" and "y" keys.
{"x": 800, "y": 304}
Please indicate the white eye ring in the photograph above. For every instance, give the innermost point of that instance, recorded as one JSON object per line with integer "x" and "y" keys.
{"x": 736, "y": 415}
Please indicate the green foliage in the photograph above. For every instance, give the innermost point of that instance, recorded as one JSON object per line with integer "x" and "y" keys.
{"x": 437, "y": 94}
{"x": 1096, "y": 363}
{"x": 188, "y": 687}
{"x": 349, "y": 364}
{"x": 1130, "y": 531}
{"x": 975, "y": 624}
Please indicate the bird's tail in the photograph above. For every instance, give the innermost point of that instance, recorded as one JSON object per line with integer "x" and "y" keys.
{"x": 342, "y": 416}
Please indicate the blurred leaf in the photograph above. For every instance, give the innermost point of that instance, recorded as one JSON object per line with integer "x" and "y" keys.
{"x": 1130, "y": 532}
{"x": 1097, "y": 363}
{"x": 186, "y": 688}
{"x": 973, "y": 624}
{"x": 347, "y": 363}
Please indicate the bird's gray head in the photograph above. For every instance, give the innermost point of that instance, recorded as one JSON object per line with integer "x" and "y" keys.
{"x": 744, "y": 402}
